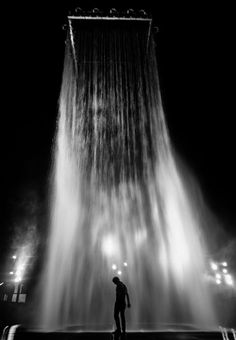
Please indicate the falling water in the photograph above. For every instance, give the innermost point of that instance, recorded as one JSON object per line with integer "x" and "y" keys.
{"x": 119, "y": 201}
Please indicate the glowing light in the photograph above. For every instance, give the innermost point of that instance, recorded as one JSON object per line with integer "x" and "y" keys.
{"x": 119, "y": 272}
{"x": 218, "y": 281}
{"x": 225, "y": 264}
{"x": 109, "y": 245}
{"x": 11, "y": 273}
{"x": 125, "y": 264}
{"x": 214, "y": 266}
{"x": 18, "y": 279}
{"x": 114, "y": 266}
{"x": 225, "y": 271}
{"x": 218, "y": 276}
{"x": 2, "y": 283}
{"x": 229, "y": 280}
{"x": 14, "y": 257}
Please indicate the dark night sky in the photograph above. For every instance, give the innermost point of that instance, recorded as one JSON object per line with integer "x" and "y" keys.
{"x": 197, "y": 75}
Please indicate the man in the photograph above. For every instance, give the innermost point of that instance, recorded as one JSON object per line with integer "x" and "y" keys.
{"x": 120, "y": 304}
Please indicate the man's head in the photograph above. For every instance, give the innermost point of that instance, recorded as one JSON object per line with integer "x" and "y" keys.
{"x": 115, "y": 280}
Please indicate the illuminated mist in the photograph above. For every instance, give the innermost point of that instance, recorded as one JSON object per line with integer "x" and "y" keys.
{"x": 119, "y": 202}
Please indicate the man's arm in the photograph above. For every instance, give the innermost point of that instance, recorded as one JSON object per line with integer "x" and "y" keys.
{"x": 128, "y": 300}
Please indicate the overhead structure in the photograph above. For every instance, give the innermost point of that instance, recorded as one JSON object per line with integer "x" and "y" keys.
{"x": 111, "y": 18}
{"x": 112, "y": 14}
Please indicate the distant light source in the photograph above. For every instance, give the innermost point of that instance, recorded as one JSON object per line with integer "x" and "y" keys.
{"x": 218, "y": 276}
{"x": 14, "y": 257}
{"x": 114, "y": 266}
{"x": 224, "y": 264}
{"x": 214, "y": 266}
{"x": 218, "y": 281}
{"x": 119, "y": 272}
{"x": 125, "y": 264}
{"x": 225, "y": 271}
{"x": 109, "y": 245}
{"x": 11, "y": 273}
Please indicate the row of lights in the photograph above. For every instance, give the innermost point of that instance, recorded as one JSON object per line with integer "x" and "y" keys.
{"x": 113, "y": 12}
{"x": 221, "y": 273}
{"x": 19, "y": 272}
{"x": 18, "y": 276}
{"x": 115, "y": 268}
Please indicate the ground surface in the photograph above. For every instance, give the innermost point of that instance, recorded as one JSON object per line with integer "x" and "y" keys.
{"x": 180, "y": 335}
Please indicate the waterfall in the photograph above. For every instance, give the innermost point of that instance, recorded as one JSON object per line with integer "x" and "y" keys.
{"x": 120, "y": 205}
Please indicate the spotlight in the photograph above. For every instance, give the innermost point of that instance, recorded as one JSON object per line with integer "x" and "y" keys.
{"x": 64, "y": 27}
{"x": 130, "y": 12}
{"x": 79, "y": 11}
{"x": 96, "y": 12}
{"x": 113, "y": 12}
{"x": 142, "y": 13}
{"x": 155, "y": 29}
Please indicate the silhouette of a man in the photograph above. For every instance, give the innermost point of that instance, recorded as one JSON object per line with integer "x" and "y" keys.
{"x": 120, "y": 305}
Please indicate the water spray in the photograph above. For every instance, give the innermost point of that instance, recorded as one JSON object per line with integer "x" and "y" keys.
{"x": 120, "y": 204}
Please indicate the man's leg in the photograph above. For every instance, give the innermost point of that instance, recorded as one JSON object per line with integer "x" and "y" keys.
{"x": 123, "y": 322}
{"x": 117, "y": 319}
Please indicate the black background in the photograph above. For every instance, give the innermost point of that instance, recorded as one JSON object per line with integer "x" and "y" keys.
{"x": 196, "y": 60}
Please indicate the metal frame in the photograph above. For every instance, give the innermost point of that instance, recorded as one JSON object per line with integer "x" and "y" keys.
{"x": 105, "y": 18}
{"x": 86, "y": 17}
